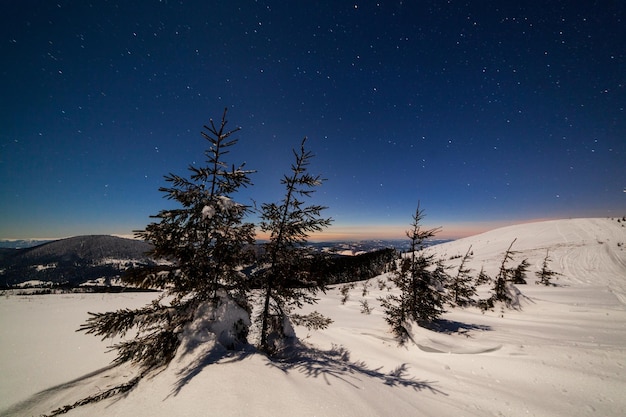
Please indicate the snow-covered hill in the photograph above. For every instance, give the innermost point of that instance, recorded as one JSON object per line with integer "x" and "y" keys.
{"x": 588, "y": 252}
{"x": 562, "y": 354}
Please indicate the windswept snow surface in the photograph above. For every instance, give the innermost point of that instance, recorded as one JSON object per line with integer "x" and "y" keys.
{"x": 562, "y": 354}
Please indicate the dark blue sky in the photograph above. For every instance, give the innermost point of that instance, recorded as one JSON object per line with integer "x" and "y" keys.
{"x": 488, "y": 113}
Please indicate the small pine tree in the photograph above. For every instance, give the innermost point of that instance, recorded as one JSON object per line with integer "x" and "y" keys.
{"x": 345, "y": 291}
{"x": 287, "y": 275}
{"x": 420, "y": 297}
{"x": 500, "y": 291}
{"x": 440, "y": 280}
{"x": 518, "y": 274}
{"x": 545, "y": 274}
{"x": 483, "y": 277}
{"x": 204, "y": 242}
{"x": 395, "y": 307}
{"x": 462, "y": 287}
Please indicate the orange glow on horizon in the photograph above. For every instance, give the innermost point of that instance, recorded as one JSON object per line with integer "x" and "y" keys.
{"x": 392, "y": 231}
{"x": 449, "y": 230}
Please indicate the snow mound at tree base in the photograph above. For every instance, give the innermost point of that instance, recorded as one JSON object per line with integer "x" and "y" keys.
{"x": 457, "y": 343}
{"x": 224, "y": 326}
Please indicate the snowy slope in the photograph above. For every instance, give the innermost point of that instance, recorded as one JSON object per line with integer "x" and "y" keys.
{"x": 588, "y": 252}
{"x": 563, "y": 354}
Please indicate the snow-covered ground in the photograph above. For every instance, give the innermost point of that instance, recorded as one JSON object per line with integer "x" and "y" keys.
{"x": 562, "y": 354}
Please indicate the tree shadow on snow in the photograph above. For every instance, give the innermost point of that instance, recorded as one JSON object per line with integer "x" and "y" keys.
{"x": 113, "y": 381}
{"x": 336, "y": 364}
{"x": 452, "y": 326}
{"x": 214, "y": 354}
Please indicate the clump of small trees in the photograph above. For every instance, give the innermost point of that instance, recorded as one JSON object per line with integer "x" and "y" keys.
{"x": 420, "y": 286}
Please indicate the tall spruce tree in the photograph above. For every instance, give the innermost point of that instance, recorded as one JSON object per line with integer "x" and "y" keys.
{"x": 204, "y": 242}
{"x": 288, "y": 275}
{"x": 420, "y": 298}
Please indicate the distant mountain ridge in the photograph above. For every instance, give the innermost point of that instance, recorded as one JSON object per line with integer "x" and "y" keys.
{"x": 73, "y": 260}
{"x": 78, "y": 260}
{"x": 88, "y": 248}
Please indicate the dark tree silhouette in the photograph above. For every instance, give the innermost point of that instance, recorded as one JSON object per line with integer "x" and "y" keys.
{"x": 462, "y": 287}
{"x": 203, "y": 243}
{"x": 503, "y": 290}
{"x": 518, "y": 274}
{"x": 420, "y": 297}
{"x": 287, "y": 274}
{"x": 482, "y": 278}
{"x": 546, "y": 274}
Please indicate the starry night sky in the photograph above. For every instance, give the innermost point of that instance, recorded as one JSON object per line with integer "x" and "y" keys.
{"x": 488, "y": 113}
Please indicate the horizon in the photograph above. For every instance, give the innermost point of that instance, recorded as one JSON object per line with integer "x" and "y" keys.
{"x": 353, "y": 233}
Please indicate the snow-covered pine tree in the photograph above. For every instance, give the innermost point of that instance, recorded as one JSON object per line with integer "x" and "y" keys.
{"x": 204, "y": 242}
{"x": 440, "y": 279}
{"x": 420, "y": 298}
{"x": 396, "y": 306}
{"x": 545, "y": 274}
{"x": 287, "y": 273}
{"x": 462, "y": 287}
